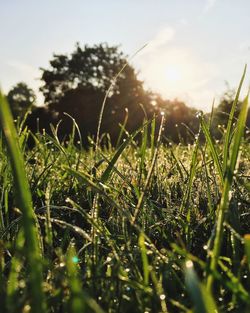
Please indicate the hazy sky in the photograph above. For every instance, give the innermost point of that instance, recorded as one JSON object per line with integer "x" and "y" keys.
{"x": 194, "y": 46}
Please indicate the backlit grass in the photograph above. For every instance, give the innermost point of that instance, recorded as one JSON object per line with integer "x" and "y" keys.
{"x": 143, "y": 227}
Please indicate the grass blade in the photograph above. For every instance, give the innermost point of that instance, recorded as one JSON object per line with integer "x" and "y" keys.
{"x": 24, "y": 201}
{"x": 150, "y": 172}
{"x": 225, "y": 198}
{"x": 123, "y": 126}
{"x": 212, "y": 147}
{"x": 144, "y": 257}
{"x": 230, "y": 122}
{"x": 79, "y": 301}
{"x": 76, "y": 300}
{"x": 202, "y": 299}
{"x": 112, "y": 84}
{"x": 190, "y": 177}
{"x": 106, "y": 174}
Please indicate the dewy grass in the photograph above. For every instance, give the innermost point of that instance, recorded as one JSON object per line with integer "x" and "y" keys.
{"x": 226, "y": 193}
{"x": 150, "y": 172}
{"x": 24, "y": 202}
{"x": 135, "y": 254}
{"x": 212, "y": 147}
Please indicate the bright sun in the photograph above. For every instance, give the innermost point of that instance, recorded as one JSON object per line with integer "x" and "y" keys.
{"x": 172, "y": 74}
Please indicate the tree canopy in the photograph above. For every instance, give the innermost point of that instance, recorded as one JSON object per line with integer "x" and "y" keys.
{"x": 89, "y": 68}
{"x": 77, "y": 84}
{"x": 21, "y": 98}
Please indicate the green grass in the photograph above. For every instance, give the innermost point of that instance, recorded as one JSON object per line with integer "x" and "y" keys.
{"x": 137, "y": 228}
{"x": 24, "y": 203}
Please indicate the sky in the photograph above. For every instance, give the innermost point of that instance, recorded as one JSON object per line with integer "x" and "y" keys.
{"x": 196, "y": 49}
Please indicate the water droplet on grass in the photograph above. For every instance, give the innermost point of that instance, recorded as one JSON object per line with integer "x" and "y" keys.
{"x": 75, "y": 259}
{"x": 162, "y": 297}
{"x": 26, "y": 308}
{"x": 189, "y": 264}
{"x": 199, "y": 114}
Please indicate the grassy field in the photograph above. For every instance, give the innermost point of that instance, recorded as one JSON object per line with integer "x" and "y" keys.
{"x": 139, "y": 228}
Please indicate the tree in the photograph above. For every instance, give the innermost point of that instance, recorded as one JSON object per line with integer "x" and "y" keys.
{"x": 21, "y": 98}
{"x": 77, "y": 84}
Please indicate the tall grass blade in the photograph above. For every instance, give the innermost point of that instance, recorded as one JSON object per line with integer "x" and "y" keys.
{"x": 226, "y": 193}
{"x": 113, "y": 82}
{"x": 123, "y": 126}
{"x": 191, "y": 176}
{"x": 230, "y": 122}
{"x": 142, "y": 151}
{"x": 212, "y": 146}
{"x": 75, "y": 125}
{"x": 24, "y": 201}
{"x": 144, "y": 257}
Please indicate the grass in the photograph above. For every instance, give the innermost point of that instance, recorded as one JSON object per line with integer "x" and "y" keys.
{"x": 143, "y": 227}
{"x": 24, "y": 202}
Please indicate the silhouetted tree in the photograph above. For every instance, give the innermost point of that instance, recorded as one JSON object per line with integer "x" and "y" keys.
{"x": 21, "y": 98}
{"x": 77, "y": 84}
{"x": 91, "y": 67}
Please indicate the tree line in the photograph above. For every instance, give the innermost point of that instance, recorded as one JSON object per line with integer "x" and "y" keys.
{"x": 77, "y": 84}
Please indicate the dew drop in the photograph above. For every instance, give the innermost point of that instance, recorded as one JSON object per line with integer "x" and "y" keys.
{"x": 189, "y": 264}
{"x": 75, "y": 259}
{"x": 26, "y": 308}
{"x": 162, "y": 297}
